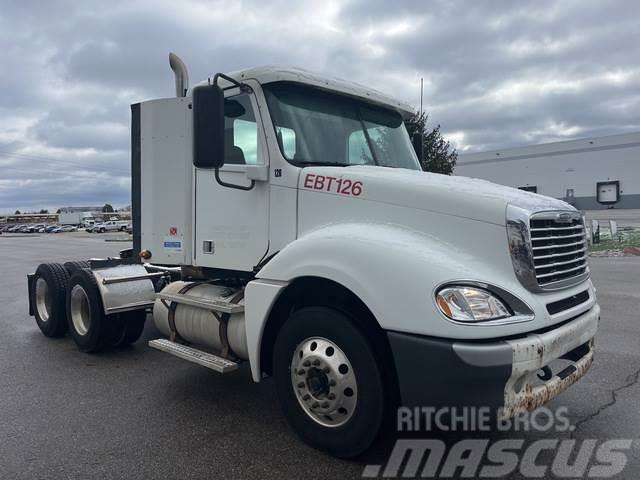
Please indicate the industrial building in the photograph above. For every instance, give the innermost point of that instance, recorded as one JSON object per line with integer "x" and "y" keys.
{"x": 67, "y": 216}
{"x": 591, "y": 173}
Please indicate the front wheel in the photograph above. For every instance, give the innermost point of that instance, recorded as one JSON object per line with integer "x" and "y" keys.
{"x": 329, "y": 382}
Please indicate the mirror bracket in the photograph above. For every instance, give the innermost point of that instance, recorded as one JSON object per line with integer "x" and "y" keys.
{"x": 215, "y": 101}
{"x": 242, "y": 86}
{"x": 259, "y": 173}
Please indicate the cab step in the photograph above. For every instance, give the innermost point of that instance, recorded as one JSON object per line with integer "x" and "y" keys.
{"x": 206, "y": 359}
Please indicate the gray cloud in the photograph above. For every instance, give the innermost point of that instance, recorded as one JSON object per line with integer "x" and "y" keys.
{"x": 497, "y": 74}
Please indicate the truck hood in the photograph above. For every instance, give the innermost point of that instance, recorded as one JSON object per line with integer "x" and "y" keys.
{"x": 450, "y": 195}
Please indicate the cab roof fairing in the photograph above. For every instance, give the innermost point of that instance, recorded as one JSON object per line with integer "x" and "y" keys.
{"x": 270, "y": 74}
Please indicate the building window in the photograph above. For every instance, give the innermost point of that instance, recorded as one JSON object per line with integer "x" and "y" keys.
{"x": 608, "y": 192}
{"x": 529, "y": 188}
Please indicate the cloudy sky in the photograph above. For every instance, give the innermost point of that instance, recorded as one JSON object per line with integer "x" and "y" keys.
{"x": 496, "y": 73}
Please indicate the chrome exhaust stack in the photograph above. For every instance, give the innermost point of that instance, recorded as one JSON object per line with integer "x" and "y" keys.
{"x": 181, "y": 74}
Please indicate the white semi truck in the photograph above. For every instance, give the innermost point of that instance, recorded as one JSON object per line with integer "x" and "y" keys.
{"x": 281, "y": 219}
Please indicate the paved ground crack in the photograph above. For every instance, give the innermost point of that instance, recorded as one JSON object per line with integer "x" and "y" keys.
{"x": 630, "y": 381}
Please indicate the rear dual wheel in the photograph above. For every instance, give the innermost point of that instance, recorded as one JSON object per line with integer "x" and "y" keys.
{"x": 90, "y": 328}
{"x": 48, "y": 294}
{"x": 88, "y": 324}
{"x": 128, "y": 327}
{"x": 75, "y": 265}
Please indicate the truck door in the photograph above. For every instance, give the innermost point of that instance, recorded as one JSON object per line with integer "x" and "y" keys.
{"x": 231, "y": 227}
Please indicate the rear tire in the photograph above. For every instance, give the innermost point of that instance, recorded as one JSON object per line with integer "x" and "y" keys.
{"x": 88, "y": 325}
{"x": 128, "y": 327}
{"x": 49, "y": 290}
{"x": 332, "y": 393}
{"x": 73, "y": 266}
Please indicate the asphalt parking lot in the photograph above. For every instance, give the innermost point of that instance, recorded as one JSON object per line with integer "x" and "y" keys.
{"x": 139, "y": 413}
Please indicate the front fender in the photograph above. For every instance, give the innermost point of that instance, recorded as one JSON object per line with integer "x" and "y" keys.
{"x": 392, "y": 269}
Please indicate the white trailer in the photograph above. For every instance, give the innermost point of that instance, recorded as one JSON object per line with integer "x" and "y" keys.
{"x": 75, "y": 218}
{"x": 270, "y": 229}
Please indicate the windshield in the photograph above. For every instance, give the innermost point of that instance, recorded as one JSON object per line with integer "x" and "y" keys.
{"x": 315, "y": 127}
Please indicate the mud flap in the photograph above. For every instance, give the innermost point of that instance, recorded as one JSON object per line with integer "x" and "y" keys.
{"x": 30, "y": 279}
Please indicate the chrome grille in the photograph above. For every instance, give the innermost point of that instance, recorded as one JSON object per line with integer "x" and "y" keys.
{"x": 559, "y": 247}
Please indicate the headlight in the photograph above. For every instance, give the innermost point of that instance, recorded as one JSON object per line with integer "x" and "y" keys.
{"x": 520, "y": 247}
{"x": 470, "y": 304}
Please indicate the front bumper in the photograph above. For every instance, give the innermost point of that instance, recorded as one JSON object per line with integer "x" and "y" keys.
{"x": 500, "y": 375}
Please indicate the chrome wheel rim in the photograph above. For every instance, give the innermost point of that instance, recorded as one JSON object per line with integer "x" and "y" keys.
{"x": 80, "y": 311}
{"x": 324, "y": 382}
{"x": 44, "y": 299}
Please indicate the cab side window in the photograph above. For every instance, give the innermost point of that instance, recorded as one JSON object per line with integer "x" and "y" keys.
{"x": 241, "y": 131}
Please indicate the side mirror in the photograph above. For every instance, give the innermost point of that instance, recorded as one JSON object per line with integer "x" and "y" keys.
{"x": 208, "y": 126}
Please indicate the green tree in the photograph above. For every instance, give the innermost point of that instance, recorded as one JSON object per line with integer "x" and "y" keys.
{"x": 17, "y": 212}
{"x": 107, "y": 208}
{"x": 44, "y": 210}
{"x": 439, "y": 156}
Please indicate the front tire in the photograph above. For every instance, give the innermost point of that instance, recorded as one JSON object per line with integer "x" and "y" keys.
{"x": 329, "y": 382}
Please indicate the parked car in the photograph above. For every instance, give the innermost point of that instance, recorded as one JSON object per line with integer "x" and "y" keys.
{"x": 50, "y": 228}
{"x": 36, "y": 227}
{"x": 110, "y": 226}
{"x": 64, "y": 229}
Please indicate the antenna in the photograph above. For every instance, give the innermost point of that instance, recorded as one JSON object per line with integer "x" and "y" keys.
{"x": 421, "y": 94}
{"x": 419, "y": 135}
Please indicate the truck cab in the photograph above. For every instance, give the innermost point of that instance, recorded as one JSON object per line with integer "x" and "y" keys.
{"x": 293, "y": 228}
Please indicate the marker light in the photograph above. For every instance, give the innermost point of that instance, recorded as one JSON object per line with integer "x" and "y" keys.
{"x": 145, "y": 254}
{"x": 470, "y": 304}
